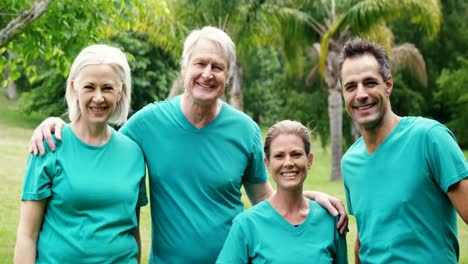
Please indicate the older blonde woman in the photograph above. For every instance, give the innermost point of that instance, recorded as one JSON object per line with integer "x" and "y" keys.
{"x": 80, "y": 204}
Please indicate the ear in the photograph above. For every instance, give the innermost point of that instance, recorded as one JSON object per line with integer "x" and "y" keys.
{"x": 267, "y": 164}
{"x": 183, "y": 70}
{"x": 310, "y": 159}
{"x": 121, "y": 92}
{"x": 72, "y": 86}
{"x": 389, "y": 84}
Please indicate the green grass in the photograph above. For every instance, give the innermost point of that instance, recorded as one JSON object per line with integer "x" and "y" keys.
{"x": 16, "y": 129}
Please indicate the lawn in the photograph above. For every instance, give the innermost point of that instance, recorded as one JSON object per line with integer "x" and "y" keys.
{"x": 15, "y": 130}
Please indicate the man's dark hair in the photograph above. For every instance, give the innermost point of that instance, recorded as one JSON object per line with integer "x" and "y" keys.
{"x": 357, "y": 47}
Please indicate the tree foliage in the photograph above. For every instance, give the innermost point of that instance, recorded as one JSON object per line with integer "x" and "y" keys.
{"x": 453, "y": 91}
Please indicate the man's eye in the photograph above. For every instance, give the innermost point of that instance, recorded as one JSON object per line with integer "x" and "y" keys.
{"x": 349, "y": 87}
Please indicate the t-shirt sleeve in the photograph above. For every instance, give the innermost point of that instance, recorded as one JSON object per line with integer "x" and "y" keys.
{"x": 235, "y": 249}
{"x": 40, "y": 172}
{"x": 142, "y": 195}
{"x": 341, "y": 255}
{"x": 348, "y": 200}
{"x": 256, "y": 170}
{"x": 445, "y": 159}
{"x": 134, "y": 127}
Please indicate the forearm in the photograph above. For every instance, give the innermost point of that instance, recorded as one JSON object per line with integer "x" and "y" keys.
{"x": 357, "y": 246}
{"x": 138, "y": 241}
{"x": 25, "y": 250}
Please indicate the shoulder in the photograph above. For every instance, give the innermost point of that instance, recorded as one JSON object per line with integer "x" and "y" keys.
{"x": 418, "y": 122}
{"x": 241, "y": 119}
{"x": 125, "y": 144}
{"x": 166, "y": 104}
{"x": 425, "y": 128}
{"x": 321, "y": 214}
{"x": 250, "y": 215}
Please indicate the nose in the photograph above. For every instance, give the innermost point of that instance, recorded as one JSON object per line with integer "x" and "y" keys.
{"x": 361, "y": 92}
{"x": 97, "y": 96}
{"x": 288, "y": 162}
{"x": 207, "y": 72}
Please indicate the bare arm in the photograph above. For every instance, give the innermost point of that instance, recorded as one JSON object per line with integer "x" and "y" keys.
{"x": 357, "y": 246}
{"x": 333, "y": 205}
{"x": 258, "y": 192}
{"x": 45, "y": 130}
{"x": 137, "y": 234}
{"x": 31, "y": 216}
{"x": 458, "y": 194}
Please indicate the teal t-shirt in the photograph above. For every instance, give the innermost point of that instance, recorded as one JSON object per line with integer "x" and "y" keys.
{"x": 92, "y": 193}
{"x": 398, "y": 194}
{"x": 262, "y": 235}
{"x": 195, "y": 177}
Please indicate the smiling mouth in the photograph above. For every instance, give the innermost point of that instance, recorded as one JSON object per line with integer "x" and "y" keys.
{"x": 98, "y": 109}
{"x": 289, "y": 174}
{"x": 364, "y": 107}
{"x": 205, "y": 85}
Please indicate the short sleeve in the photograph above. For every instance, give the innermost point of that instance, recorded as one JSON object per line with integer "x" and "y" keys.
{"x": 40, "y": 172}
{"x": 235, "y": 249}
{"x": 348, "y": 200}
{"x": 142, "y": 196}
{"x": 256, "y": 170}
{"x": 445, "y": 159}
{"x": 341, "y": 255}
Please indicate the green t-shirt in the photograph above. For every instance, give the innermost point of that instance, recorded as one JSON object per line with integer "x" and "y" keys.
{"x": 262, "y": 235}
{"x": 398, "y": 194}
{"x": 92, "y": 193}
{"x": 195, "y": 177}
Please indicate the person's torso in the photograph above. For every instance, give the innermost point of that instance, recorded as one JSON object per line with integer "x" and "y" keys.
{"x": 402, "y": 214}
{"x": 271, "y": 239}
{"x": 90, "y": 217}
{"x": 195, "y": 176}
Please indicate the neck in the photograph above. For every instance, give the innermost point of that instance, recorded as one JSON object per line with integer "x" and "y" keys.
{"x": 375, "y": 136}
{"x": 292, "y": 205}
{"x": 94, "y": 135}
{"x": 199, "y": 115}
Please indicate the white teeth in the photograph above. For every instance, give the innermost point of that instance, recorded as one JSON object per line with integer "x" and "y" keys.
{"x": 204, "y": 85}
{"x": 364, "y": 107}
{"x": 97, "y": 109}
{"x": 289, "y": 174}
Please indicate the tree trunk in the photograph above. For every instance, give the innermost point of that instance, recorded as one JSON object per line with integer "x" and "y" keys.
{"x": 177, "y": 86}
{"x": 335, "y": 114}
{"x": 236, "y": 97}
{"x": 11, "y": 87}
{"x": 24, "y": 19}
{"x": 355, "y": 132}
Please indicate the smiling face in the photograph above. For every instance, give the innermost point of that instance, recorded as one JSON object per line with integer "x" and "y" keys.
{"x": 365, "y": 92}
{"x": 288, "y": 162}
{"x": 205, "y": 74}
{"x": 98, "y": 90}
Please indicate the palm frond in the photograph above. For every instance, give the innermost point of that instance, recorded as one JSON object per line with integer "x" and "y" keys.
{"x": 361, "y": 16}
{"x": 407, "y": 56}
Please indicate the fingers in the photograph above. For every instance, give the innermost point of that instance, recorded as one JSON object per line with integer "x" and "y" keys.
{"x": 342, "y": 224}
{"x": 44, "y": 131}
{"x": 58, "y": 128}
{"x": 35, "y": 145}
{"x": 331, "y": 208}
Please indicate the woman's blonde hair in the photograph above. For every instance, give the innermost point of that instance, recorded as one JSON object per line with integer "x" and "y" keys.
{"x": 95, "y": 55}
